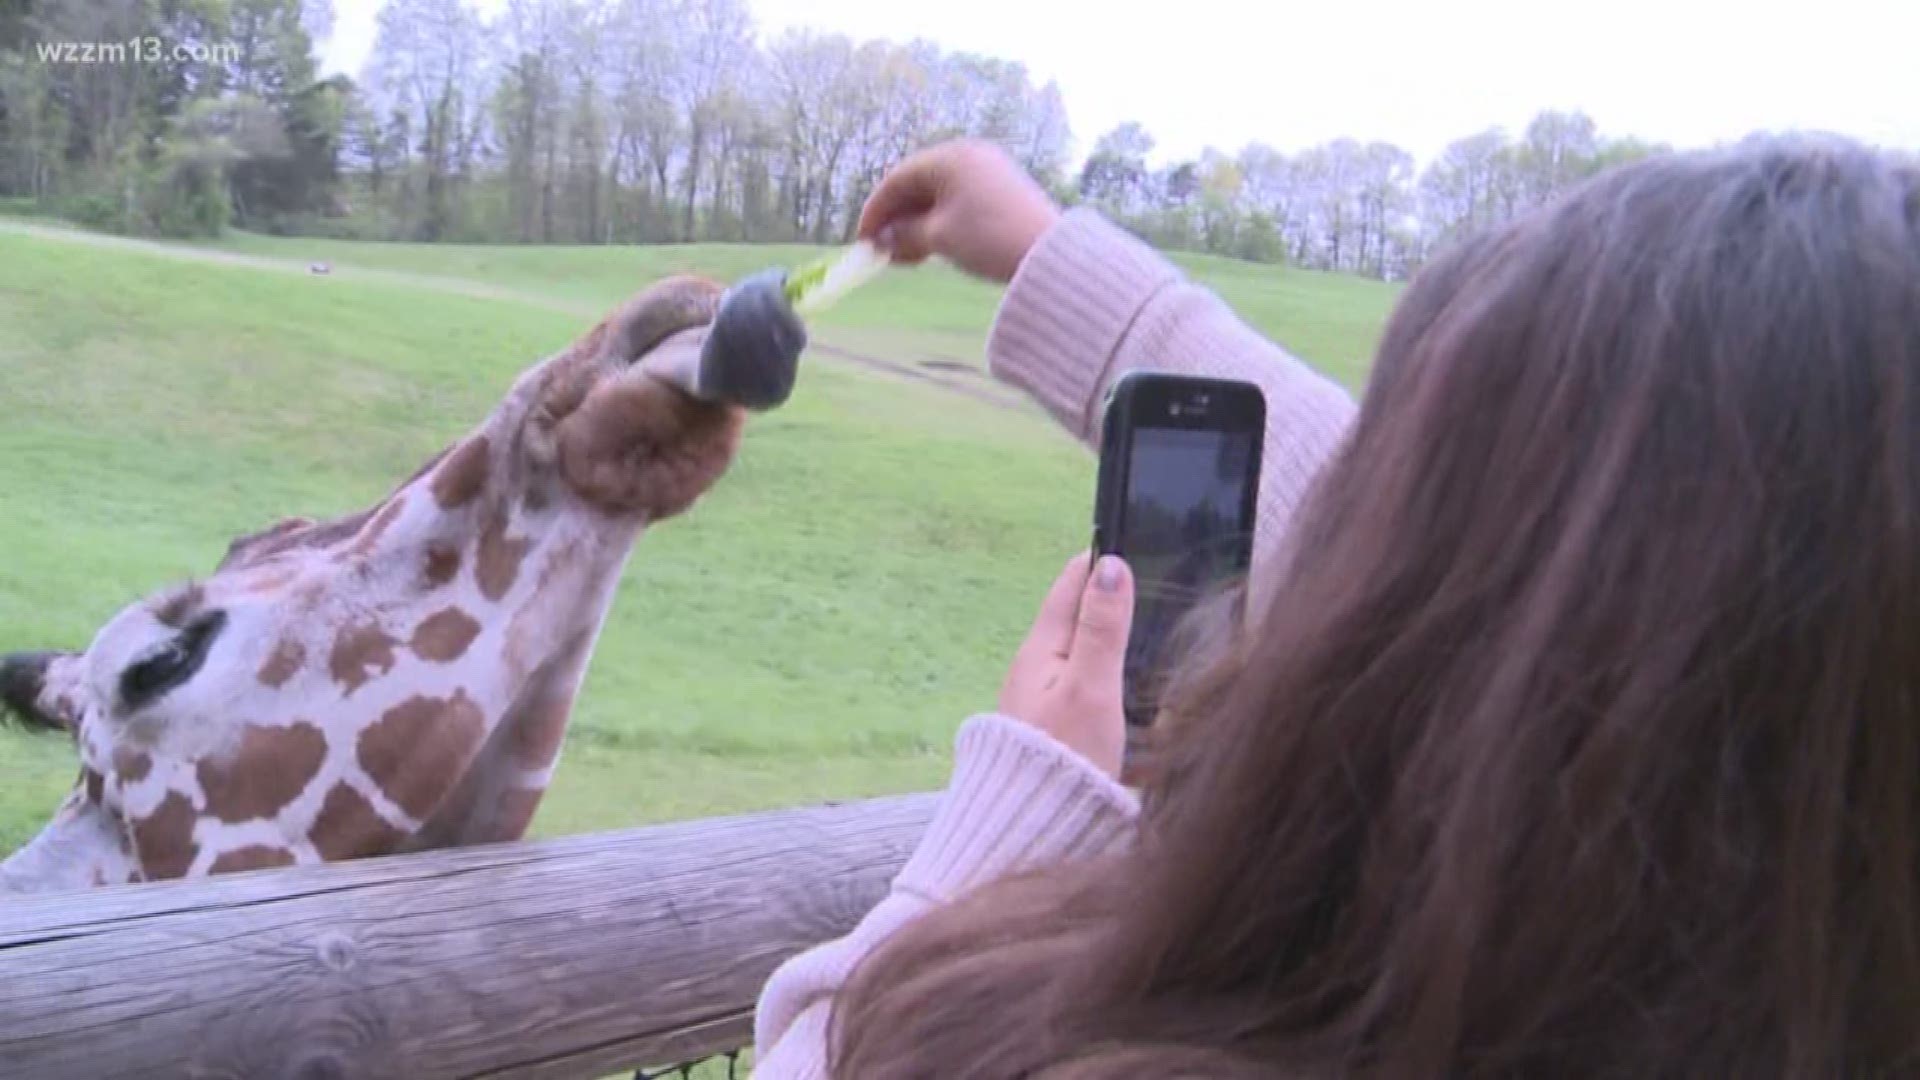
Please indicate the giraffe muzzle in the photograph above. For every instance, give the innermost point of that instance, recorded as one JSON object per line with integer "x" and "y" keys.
{"x": 22, "y": 676}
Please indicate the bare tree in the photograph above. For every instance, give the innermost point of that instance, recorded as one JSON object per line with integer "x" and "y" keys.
{"x": 1385, "y": 172}
{"x": 1048, "y": 133}
{"x": 426, "y": 55}
{"x": 317, "y": 17}
{"x": 1459, "y": 191}
{"x": 646, "y": 59}
{"x": 1558, "y": 150}
{"x": 894, "y": 121}
{"x": 530, "y": 38}
{"x": 1115, "y": 174}
{"x": 716, "y": 36}
{"x": 814, "y": 78}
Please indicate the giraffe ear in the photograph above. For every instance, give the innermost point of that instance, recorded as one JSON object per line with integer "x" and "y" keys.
{"x": 23, "y": 678}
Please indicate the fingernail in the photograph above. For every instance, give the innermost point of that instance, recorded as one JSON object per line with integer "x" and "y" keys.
{"x": 884, "y": 238}
{"x": 1106, "y": 577}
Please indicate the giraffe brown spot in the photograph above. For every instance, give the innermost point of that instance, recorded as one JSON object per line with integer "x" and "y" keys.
{"x": 497, "y": 564}
{"x": 253, "y": 857}
{"x": 164, "y": 838}
{"x": 370, "y": 536}
{"x": 419, "y": 746}
{"x": 443, "y": 561}
{"x": 348, "y": 827}
{"x": 462, "y": 475}
{"x": 359, "y": 647}
{"x": 444, "y": 636}
{"x": 272, "y": 766}
{"x": 282, "y": 663}
{"x": 94, "y": 783}
{"x": 515, "y": 811}
{"x": 536, "y": 737}
{"x": 131, "y": 766}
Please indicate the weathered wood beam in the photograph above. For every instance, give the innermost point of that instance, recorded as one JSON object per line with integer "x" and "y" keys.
{"x": 568, "y": 957}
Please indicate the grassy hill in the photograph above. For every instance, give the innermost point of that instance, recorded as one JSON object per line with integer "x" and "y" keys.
{"x": 814, "y": 630}
{"x": 1332, "y": 318}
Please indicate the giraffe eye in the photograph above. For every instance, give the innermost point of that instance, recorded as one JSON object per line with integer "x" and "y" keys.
{"x": 172, "y": 663}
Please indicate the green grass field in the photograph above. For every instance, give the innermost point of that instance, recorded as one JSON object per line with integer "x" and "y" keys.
{"x": 931, "y": 313}
{"x": 815, "y": 629}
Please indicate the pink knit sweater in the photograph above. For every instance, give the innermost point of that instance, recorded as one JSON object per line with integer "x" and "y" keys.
{"x": 1088, "y": 303}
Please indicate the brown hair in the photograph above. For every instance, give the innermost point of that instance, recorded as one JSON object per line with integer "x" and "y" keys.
{"x": 1580, "y": 737}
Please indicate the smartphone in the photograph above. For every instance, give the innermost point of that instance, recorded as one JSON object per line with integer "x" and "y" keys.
{"x": 1178, "y": 488}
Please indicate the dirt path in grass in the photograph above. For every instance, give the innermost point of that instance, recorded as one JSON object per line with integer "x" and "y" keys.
{"x": 952, "y": 377}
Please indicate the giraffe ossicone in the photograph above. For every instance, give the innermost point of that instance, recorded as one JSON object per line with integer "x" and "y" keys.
{"x": 400, "y": 678}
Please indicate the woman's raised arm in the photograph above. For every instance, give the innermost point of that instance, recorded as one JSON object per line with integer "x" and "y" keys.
{"x": 1086, "y": 302}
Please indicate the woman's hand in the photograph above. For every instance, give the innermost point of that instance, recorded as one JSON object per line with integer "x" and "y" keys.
{"x": 966, "y": 201}
{"x": 1066, "y": 679}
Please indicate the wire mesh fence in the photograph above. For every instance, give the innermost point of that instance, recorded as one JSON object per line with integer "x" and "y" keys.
{"x": 734, "y": 1065}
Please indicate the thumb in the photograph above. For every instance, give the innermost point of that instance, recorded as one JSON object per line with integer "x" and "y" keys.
{"x": 1106, "y": 618}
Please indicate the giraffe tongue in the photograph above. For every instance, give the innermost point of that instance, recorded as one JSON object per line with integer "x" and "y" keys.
{"x": 752, "y": 353}
{"x": 748, "y": 356}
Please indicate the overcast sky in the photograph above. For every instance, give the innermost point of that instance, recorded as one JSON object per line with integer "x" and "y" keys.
{"x": 1418, "y": 73}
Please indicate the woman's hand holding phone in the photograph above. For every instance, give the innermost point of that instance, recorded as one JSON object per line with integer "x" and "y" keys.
{"x": 1067, "y": 677}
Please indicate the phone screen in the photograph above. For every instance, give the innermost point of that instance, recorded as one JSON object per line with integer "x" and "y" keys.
{"x": 1185, "y": 529}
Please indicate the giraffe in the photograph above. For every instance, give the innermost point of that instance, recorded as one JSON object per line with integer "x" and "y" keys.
{"x": 400, "y": 678}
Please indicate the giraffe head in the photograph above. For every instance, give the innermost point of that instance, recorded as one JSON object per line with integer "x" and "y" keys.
{"x": 400, "y": 677}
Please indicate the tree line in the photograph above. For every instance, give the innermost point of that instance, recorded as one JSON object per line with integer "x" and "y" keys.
{"x": 168, "y": 116}
{"x": 646, "y": 121}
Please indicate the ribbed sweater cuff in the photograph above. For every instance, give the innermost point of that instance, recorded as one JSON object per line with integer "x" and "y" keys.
{"x": 1018, "y": 800}
{"x": 1066, "y": 311}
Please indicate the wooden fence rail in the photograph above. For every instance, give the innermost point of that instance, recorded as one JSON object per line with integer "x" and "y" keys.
{"x": 569, "y": 957}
